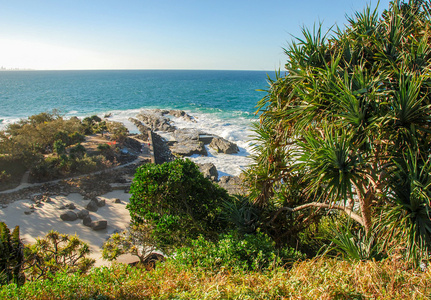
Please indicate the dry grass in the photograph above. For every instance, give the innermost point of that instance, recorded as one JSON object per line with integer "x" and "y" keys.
{"x": 321, "y": 278}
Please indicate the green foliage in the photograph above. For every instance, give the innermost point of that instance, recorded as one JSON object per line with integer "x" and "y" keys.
{"x": 103, "y": 147}
{"x": 136, "y": 240}
{"x": 11, "y": 256}
{"x": 77, "y": 151}
{"x": 321, "y": 278}
{"x": 356, "y": 244}
{"x": 351, "y": 106}
{"x": 235, "y": 252}
{"x": 177, "y": 199}
{"x": 93, "y": 124}
{"x": 118, "y": 131}
{"x": 56, "y": 253}
{"x": 59, "y": 147}
{"x": 244, "y": 215}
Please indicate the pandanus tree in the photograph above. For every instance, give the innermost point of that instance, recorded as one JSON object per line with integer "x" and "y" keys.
{"x": 349, "y": 124}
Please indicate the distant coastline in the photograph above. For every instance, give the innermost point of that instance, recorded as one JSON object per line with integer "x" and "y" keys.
{"x": 15, "y": 69}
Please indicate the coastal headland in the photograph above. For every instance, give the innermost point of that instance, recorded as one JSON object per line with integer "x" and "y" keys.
{"x": 93, "y": 205}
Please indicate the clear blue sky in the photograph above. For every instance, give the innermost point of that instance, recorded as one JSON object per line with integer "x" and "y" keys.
{"x": 160, "y": 34}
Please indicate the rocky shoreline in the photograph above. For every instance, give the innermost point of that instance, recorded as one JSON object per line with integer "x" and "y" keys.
{"x": 184, "y": 143}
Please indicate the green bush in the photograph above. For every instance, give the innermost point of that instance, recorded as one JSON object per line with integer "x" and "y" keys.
{"x": 232, "y": 251}
{"x": 11, "y": 256}
{"x": 178, "y": 200}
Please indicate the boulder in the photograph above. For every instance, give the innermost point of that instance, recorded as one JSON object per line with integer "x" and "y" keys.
{"x": 92, "y": 206}
{"x": 222, "y": 145}
{"x": 99, "y": 225}
{"x": 189, "y": 148}
{"x": 101, "y": 202}
{"x": 70, "y": 206}
{"x": 209, "y": 171}
{"x": 117, "y": 200}
{"x": 69, "y": 216}
{"x": 83, "y": 213}
{"x": 87, "y": 221}
{"x": 233, "y": 184}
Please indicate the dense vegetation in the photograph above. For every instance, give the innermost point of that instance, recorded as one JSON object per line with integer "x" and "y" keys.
{"x": 347, "y": 128}
{"x": 50, "y": 147}
{"x": 340, "y": 188}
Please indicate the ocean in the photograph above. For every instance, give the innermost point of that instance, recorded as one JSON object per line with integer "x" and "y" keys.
{"x": 222, "y": 102}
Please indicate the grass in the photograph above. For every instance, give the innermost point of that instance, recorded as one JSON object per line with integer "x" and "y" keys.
{"x": 321, "y": 278}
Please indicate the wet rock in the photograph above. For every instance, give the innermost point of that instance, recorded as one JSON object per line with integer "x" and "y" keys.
{"x": 223, "y": 145}
{"x": 69, "y": 216}
{"x": 189, "y": 148}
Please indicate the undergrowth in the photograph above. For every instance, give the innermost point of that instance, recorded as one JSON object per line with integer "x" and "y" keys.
{"x": 321, "y": 278}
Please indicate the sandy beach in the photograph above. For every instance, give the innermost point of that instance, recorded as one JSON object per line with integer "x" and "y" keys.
{"x": 47, "y": 217}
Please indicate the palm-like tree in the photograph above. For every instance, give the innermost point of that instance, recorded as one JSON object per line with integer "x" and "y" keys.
{"x": 349, "y": 108}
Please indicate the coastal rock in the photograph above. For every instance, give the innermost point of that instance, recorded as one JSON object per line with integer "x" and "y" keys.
{"x": 144, "y": 130}
{"x": 99, "y": 225}
{"x": 189, "y": 148}
{"x": 233, "y": 184}
{"x": 92, "y": 206}
{"x": 181, "y": 135}
{"x": 156, "y": 121}
{"x": 87, "y": 221}
{"x": 180, "y": 114}
{"x": 83, "y": 213}
{"x": 162, "y": 153}
{"x": 209, "y": 171}
{"x": 69, "y": 216}
{"x": 222, "y": 145}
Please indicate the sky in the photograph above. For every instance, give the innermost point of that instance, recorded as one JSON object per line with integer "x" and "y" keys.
{"x": 160, "y": 34}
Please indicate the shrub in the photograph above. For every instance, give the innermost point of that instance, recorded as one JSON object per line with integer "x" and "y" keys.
{"x": 118, "y": 131}
{"x": 232, "y": 251}
{"x": 136, "y": 240}
{"x": 178, "y": 200}
{"x": 77, "y": 151}
{"x": 57, "y": 253}
{"x": 11, "y": 256}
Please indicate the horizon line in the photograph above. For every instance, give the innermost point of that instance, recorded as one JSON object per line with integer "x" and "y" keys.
{"x": 31, "y": 70}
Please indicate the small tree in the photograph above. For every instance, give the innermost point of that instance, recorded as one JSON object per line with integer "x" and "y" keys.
{"x": 351, "y": 113}
{"x": 57, "y": 252}
{"x": 178, "y": 200}
{"x": 136, "y": 240}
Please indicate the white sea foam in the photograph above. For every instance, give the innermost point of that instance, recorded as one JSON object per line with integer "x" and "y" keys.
{"x": 233, "y": 127}
{"x": 237, "y": 130}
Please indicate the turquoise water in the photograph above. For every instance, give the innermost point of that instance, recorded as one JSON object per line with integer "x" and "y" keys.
{"x": 93, "y": 92}
{"x": 222, "y": 102}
